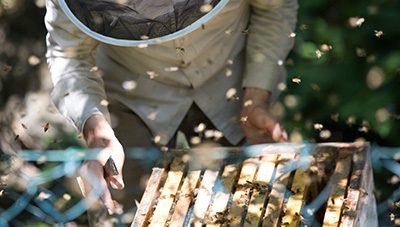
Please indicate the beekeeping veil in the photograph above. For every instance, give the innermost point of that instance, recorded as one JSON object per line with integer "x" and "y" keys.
{"x": 135, "y": 22}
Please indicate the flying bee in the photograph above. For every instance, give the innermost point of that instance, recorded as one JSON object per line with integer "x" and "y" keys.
{"x": 326, "y": 47}
{"x": 378, "y": 33}
{"x": 46, "y": 127}
{"x": 7, "y": 68}
{"x": 318, "y": 53}
{"x": 303, "y": 27}
{"x": 360, "y": 21}
{"x": 296, "y": 80}
{"x": 206, "y": 8}
{"x": 104, "y": 102}
{"x": 152, "y": 74}
{"x": 94, "y": 69}
{"x": 231, "y": 94}
{"x": 228, "y": 72}
{"x": 246, "y": 31}
{"x": 318, "y": 126}
{"x": 171, "y": 69}
{"x": 335, "y": 117}
{"x": 292, "y": 35}
{"x": 363, "y": 191}
{"x": 244, "y": 119}
{"x": 143, "y": 45}
{"x": 24, "y": 126}
{"x": 229, "y": 32}
{"x": 180, "y": 50}
{"x": 144, "y": 37}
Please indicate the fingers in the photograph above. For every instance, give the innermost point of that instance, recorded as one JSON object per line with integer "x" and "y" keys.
{"x": 116, "y": 182}
{"x": 107, "y": 199}
{"x": 93, "y": 178}
{"x": 279, "y": 134}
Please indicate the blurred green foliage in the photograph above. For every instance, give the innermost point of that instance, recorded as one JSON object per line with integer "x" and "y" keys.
{"x": 358, "y": 79}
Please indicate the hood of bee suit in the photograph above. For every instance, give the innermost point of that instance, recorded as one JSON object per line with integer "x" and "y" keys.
{"x": 139, "y": 22}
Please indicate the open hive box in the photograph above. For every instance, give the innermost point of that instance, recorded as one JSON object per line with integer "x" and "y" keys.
{"x": 265, "y": 185}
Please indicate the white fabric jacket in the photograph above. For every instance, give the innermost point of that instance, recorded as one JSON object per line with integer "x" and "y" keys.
{"x": 171, "y": 75}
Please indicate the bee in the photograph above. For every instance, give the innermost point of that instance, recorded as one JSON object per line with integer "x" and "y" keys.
{"x": 231, "y": 94}
{"x": 129, "y": 85}
{"x": 43, "y": 196}
{"x": 392, "y": 217}
{"x": 171, "y": 69}
{"x": 33, "y": 60}
{"x": 296, "y": 80}
{"x": 152, "y": 74}
{"x": 351, "y": 120}
{"x": 104, "y": 102}
{"x": 94, "y": 69}
{"x": 248, "y": 103}
{"x": 16, "y": 137}
{"x": 41, "y": 160}
{"x": 361, "y": 52}
{"x": 360, "y": 21}
{"x": 46, "y": 127}
{"x": 315, "y": 87}
{"x": 203, "y": 26}
{"x": 66, "y": 94}
{"x": 318, "y": 126}
{"x": 335, "y": 117}
{"x": 318, "y": 53}
{"x": 229, "y": 62}
{"x": 7, "y": 68}
{"x": 303, "y": 27}
{"x": 292, "y": 35}
{"x": 378, "y": 33}
{"x": 326, "y": 47}
{"x": 363, "y": 191}
{"x": 244, "y": 119}
{"x": 1, "y": 192}
{"x": 143, "y": 45}
{"x": 152, "y": 116}
{"x": 229, "y": 32}
{"x": 144, "y": 37}
{"x": 180, "y": 50}
{"x": 80, "y": 136}
{"x": 228, "y": 72}
{"x": 157, "y": 139}
{"x": 364, "y": 129}
{"x": 206, "y": 8}
{"x": 246, "y": 31}
{"x": 24, "y": 126}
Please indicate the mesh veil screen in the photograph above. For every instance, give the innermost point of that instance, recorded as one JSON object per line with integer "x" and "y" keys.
{"x": 138, "y": 19}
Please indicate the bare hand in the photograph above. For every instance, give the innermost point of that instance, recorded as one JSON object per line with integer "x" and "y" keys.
{"x": 258, "y": 124}
{"x": 99, "y": 134}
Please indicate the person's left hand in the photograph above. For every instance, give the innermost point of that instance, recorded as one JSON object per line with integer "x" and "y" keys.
{"x": 258, "y": 124}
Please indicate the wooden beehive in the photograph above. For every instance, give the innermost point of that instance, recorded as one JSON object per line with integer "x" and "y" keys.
{"x": 265, "y": 185}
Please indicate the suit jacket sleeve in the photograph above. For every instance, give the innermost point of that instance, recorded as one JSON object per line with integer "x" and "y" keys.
{"x": 269, "y": 41}
{"x": 78, "y": 89}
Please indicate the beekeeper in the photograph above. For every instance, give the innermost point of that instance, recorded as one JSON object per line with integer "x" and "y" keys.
{"x": 130, "y": 73}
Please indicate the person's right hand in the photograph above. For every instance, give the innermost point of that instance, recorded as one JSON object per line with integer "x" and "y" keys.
{"x": 99, "y": 134}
